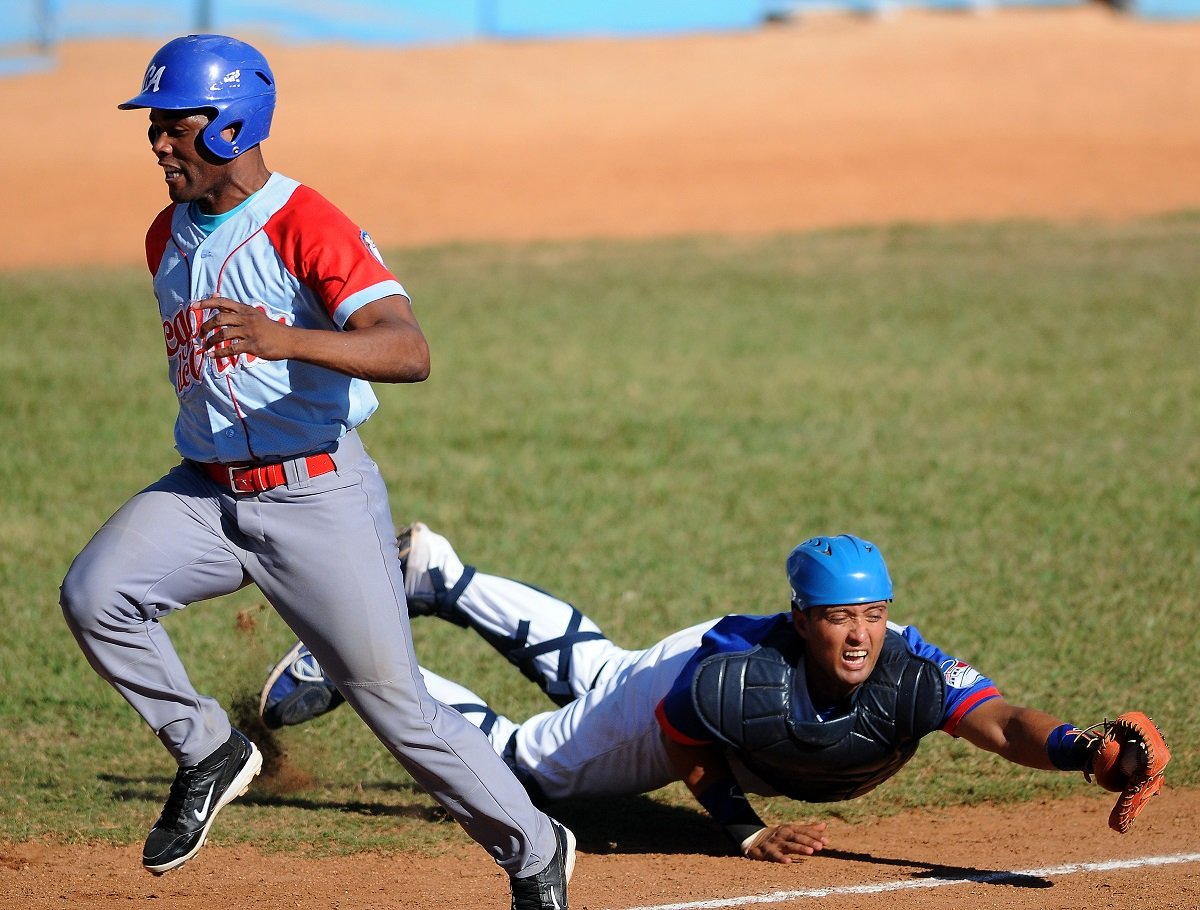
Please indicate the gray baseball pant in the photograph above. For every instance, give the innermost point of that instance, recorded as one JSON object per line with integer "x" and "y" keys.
{"x": 323, "y": 552}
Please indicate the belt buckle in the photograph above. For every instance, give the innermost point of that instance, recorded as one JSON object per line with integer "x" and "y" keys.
{"x": 253, "y": 478}
{"x": 241, "y": 480}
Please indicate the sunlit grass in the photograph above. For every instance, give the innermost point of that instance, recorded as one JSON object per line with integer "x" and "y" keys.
{"x": 646, "y": 429}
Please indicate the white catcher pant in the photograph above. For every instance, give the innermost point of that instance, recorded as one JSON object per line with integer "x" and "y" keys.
{"x": 604, "y": 743}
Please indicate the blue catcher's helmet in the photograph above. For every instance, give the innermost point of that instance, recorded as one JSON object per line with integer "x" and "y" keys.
{"x": 224, "y": 76}
{"x": 825, "y": 571}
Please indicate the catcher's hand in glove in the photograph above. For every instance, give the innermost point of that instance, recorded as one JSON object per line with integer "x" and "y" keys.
{"x": 1129, "y": 759}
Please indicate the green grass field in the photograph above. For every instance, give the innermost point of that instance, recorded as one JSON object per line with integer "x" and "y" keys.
{"x": 646, "y": 429}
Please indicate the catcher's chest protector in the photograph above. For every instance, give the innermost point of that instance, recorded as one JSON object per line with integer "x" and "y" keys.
{"x": 748, "y": 699}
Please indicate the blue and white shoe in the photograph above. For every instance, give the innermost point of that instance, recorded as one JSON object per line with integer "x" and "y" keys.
{"x": 297, "y": 690}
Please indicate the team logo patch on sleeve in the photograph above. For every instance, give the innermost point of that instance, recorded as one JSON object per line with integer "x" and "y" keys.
{"x": 959, "y": 675}
{"x": 370, "y": 245}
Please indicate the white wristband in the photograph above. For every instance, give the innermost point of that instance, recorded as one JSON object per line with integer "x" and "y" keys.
{"x": 750, "y": 841}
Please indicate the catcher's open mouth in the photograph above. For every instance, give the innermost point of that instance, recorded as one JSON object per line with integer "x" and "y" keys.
{"x": 854, "y": 657}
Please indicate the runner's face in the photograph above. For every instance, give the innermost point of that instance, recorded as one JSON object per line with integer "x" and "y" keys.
{"x": 191, "y": 174}
{"x": 842, "y": 646}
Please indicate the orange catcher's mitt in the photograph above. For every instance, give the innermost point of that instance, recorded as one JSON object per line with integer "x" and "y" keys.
{"x": 1130, "y": 760}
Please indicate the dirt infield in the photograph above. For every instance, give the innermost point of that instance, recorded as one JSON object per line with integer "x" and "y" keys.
{"x": 1064, "y": 114}
{"x": 1012, "y": 858}
{"x": 1058, "y": 114}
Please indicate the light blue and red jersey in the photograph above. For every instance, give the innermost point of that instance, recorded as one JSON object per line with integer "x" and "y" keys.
{"x": 965, "y": 688}
{"x": 293, "y": 255}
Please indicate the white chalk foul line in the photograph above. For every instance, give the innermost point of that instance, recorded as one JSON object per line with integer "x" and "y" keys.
{"x": 908, "y": 884}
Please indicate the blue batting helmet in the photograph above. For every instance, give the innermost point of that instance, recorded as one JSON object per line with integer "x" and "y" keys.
{"x": 825, "y": 571}
{"x": 222, "y": 75}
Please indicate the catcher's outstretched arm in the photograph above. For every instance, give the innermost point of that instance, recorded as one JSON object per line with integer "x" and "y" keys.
{"x": 1128, "y": 755}
{"x": 1021, "y": 735}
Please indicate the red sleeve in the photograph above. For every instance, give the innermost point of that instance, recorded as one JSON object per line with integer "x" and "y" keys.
{"x": 157, "y": 238}
{"x": 967, "y": 705}
{"x": 324, "y": 249}
{"x": 673, "y": 732}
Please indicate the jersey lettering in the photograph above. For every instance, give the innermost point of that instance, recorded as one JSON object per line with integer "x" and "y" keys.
{"x": 153, "y": 77}
{"x": 182, "y": 336}
{"x": 180, "y": 332}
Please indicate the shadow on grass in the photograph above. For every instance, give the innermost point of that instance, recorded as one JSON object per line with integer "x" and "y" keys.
{"x": 279, "y": 781}
{"x": 635, "y": 824}
{"x": 154, "y": 790}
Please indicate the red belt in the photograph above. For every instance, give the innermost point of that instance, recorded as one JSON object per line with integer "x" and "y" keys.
{"x": 262, "y": 477}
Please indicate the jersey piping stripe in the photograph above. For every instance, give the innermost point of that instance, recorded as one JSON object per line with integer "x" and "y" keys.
{"x": 682, "y": 738}
{"x": 237, "y": 405}
{"x": 967, "y": 706}
{"x": 232, "y": 253}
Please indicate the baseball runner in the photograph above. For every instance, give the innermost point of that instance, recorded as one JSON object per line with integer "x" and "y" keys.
{"x": 821, "y": 703}
{"x": 276, "y": 311}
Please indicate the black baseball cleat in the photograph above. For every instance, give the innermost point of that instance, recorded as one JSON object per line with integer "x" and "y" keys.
{"x": 197, "y": 795}
{"x": 548, "y": 889}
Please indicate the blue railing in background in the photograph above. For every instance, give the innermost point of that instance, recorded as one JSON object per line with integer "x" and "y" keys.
{"x": 29, "y": 29}
{"x": 369, "y": 21}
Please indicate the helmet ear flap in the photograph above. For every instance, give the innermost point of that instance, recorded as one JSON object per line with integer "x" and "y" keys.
{"x": 250, "y": 122}
{"x": 233, "y": 140}
{"x": 215, "y": 143}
